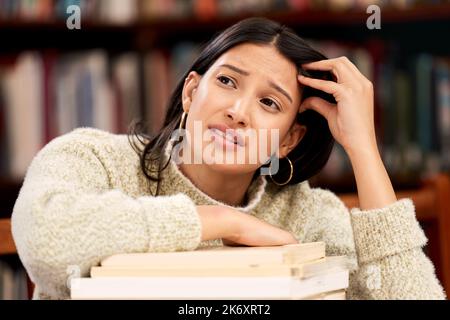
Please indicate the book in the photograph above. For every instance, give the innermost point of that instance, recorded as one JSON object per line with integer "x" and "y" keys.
{"x": 222, "y": 256}
{"x": 297, "y": 271}
{"x": 25, "y": 133}
{"x": 333, "y": 295}
{"x": 304, "y": 270}
{"x": 273, "y": 287}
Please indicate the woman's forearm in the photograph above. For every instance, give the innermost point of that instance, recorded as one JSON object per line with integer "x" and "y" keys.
{"x": 372, "y": 180}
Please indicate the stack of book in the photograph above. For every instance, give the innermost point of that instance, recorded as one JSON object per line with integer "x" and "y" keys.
{"x": 299, "y": 271}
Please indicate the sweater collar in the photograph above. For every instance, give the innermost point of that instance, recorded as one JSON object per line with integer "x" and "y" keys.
{"x": 174, "y": 181}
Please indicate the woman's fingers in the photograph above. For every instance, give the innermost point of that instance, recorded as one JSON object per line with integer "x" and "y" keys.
{"x": 343, "y": 69}
{"x": 330, "y": 87}
{"x": 335, "y": 66}
{"x": 319, "y": 105}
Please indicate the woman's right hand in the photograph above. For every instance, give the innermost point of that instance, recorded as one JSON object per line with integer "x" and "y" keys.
{"x": 235, "y": 227}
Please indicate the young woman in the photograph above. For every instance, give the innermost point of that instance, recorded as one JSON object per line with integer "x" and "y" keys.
{"x": 89, "y": 194}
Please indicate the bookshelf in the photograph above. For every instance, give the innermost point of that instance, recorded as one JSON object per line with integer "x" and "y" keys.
{"x": 142, "y": 34}
{"x": 410, "y": 30}
{"x": 7, "y": 245}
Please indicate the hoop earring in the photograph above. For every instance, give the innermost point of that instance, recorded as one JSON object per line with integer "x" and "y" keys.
{"x": 290, "y": 176}
{"x": 183, "y": 118}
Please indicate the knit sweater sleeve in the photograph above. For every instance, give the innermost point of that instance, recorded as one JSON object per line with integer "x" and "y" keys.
{"x": 67, "y": 217}
{"x": 386, "y": 246}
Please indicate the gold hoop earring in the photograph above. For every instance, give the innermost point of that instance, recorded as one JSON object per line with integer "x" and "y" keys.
{"x": 183, "y": 118}
{"x": 290, "y": 176}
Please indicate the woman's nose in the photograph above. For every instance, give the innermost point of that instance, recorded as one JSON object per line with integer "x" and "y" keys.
{"x": 238, "y": 114}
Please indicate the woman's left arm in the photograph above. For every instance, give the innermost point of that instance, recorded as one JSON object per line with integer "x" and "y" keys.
{"x": 388, "y": 239}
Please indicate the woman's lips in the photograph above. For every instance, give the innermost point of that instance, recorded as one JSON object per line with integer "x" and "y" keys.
{"x": 225, "y": 139}
{"x": 227, "y": 134}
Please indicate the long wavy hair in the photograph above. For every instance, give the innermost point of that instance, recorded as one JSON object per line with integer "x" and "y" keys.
{"x": 313, "y": 151}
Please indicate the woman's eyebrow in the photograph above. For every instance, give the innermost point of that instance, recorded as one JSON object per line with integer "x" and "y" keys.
{"x": 236, "y": 69}
{"x": 281, "y": 90}
{"x": 246, "y": 73}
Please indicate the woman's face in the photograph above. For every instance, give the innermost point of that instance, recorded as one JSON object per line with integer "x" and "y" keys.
{"x": 253, "y": 91}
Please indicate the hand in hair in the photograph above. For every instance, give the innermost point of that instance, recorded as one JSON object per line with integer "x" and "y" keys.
{"x": 351, "y": 120}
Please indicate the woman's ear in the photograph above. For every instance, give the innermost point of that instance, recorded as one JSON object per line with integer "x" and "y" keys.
{"x": 292, "y": 139}
{"x": 189, "y": 89}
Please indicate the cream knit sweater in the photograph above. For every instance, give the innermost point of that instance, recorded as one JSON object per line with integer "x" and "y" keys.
{"x": 85, "y": 198}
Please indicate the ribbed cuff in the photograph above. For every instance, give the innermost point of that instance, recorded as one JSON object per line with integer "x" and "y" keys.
{"x": 386, "y": 231}
{"x": 173, "y": 223}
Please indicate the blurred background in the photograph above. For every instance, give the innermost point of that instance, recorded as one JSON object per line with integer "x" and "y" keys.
{"x": 122, "y": 62}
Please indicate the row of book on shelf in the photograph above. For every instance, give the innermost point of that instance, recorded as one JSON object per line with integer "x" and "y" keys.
{"x": 13, "y": 279}
{"x": 46, "y": 94}
{"x": 298, "y": 271}
{"x": 129, "y": 11}
{"x": 90, "y": 89}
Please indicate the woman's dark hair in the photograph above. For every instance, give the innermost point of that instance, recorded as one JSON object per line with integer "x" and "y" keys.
{"x": 313, "y": 151}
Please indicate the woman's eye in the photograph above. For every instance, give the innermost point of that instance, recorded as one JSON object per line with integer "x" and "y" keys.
{"x": 225, "y": 80}
{"x": 270, "y": 103}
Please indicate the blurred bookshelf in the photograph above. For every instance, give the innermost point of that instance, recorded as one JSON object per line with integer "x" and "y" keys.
{"x": 124, "y": 61}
